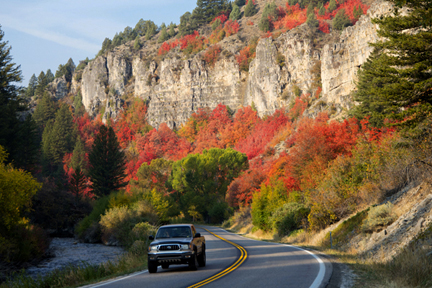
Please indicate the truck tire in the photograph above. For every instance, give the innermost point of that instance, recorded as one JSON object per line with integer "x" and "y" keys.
{"x": 202, "y": 258}
{"x": 193, "y": 262}
{"x": 152, "y": 267}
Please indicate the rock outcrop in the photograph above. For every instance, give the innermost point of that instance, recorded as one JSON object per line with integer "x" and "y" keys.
{"x": 341, "y": 60}
{"x": 176, "y": 87}
{"x": 58, "y": 88}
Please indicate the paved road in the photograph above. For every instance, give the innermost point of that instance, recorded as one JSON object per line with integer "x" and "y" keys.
{"x": 267, "y": 265}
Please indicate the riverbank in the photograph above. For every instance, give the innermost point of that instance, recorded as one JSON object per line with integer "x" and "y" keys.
{"x": 68, "y": 251}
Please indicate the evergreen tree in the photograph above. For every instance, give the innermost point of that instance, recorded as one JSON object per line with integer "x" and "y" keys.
{"x": 31, "y": 88}
{"x": 15, "y": 135}
{"x": 250, "y": 9}
{"x": 341, "y": 20}
{"x": 207, "y": 10}
{"x": 60, "y": 139}
{"x": 66, "y": 70}
{"x": 41, "y": 84}
{"x": 395, "y": 83}
{"x": 45, "y": 110}
{"x": 78, "y": 182}
{"x": 322, "y": 10}
{"x": 239, "y": 3}
{"x": 28, "y": 144}
{"x": 187, "y": 25}
{"x": 49, "y": 76}
{"x": 107, "y": 163}
{"x": 310, "y": 8}
{"x": 358, "y": 12}
{"x": 171, "y": 31}
{"x": 137, "y": 44}
{"x": 312, "y": 20}
{"x": 332, "y": 6}
{"x": 79, "y": 156}
{"x": 269, "y": 14}
{"x": 163, "y": 35}
{"x": 235, "y": 13}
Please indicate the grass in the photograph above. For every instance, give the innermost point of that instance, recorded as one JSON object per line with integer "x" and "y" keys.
{"x": 73, "y": 276}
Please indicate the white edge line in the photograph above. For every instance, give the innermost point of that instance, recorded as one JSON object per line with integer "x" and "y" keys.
{"x": 321, "y": 273}
{"x": 113, "y": 281}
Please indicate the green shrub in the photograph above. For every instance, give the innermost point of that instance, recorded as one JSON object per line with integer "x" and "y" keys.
{"x": 288, "y": 218}
{"x": 378, "y": 217}
{"x": 99, "y": 208}
{"x": 118, "y": 222}
{"x": 219, "y": 212}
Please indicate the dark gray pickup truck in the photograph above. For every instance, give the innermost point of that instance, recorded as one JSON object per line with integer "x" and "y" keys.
{"x": 176, "y": 244}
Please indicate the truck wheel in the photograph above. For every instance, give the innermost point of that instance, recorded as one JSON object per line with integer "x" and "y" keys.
{"x": 193, "y": 262}
{"x": 202, "y": 258}
{"x": 165, "y": 266}
{"x": 152, "y": 267}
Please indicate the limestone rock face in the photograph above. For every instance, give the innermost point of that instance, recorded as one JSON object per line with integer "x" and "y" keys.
{"x": 341, "y": 61}
{"x": 58, "y": 87}
{"x": 263, "y": 85}
{"x": 177, "y": 88}
{"x": 93, "y": 83}
{"x": 119, "y": 72}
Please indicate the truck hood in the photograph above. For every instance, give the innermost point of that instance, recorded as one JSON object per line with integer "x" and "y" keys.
{"x": 171, "y": 241}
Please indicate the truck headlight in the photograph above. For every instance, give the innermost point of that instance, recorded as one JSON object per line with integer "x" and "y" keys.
{"x": 185, "y": 246}
{"x": 152, "y": 248}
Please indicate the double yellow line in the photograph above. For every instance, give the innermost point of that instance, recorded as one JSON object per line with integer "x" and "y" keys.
{"x": 240, "y": 260}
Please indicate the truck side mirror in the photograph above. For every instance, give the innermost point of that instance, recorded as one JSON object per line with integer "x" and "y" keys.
{"x": 151, "y": 237}
{"x": 197, "y": 235}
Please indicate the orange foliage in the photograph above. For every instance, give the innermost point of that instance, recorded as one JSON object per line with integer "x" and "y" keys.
{"x": 323, "y": 26}
{"x": 244, "y": 121}
{"x": 211, "y": 54}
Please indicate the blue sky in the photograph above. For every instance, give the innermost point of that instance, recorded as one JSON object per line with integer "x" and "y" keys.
{"x": 46, "y": 33}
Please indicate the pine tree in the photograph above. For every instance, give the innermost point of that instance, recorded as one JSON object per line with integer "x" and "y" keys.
{"x": 341, "y": 20}
{"x": 171, "y": 31}
{"x": 79, "y": 156}
{"x": 321, "y": 11}
{"x": 60, "y": 138}
{"x": 107, "y": 163}
{"x": 45, "y": 110}
{"x": 235, "y": 13}
{"x": 49, "y": 76}
{"x": 250, "y": 9}
{"x": 187, "y": 25}
{"x": 269, "y": 14}
{"x": 239, "y": 3}
{"x": 395, "y": 83}
{"x": 78, "y": 182}
{"x": 312, "y": 20}
{"x": 12, "y": 130}
{"x": 41, "y": 84}
{"x": 163, "y": 35}
{"x": 31, "y": 88}
{"x": 310, "y": 8}
{"x": 332, "y": 6}
{"x": 137, "y": 44}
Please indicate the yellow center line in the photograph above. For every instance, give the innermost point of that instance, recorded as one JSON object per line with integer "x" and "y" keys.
{"x": 240, "y": 260}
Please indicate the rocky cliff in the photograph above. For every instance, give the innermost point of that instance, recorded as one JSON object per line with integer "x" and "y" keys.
{"x": 176, "y": 87}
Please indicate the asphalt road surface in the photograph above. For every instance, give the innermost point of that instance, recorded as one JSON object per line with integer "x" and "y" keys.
{"x": 263, "y": 264}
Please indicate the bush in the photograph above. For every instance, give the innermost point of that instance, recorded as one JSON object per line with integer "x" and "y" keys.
{"x": 250, "y": 9}
{"x": 89, "y": 223}
{"x": 289, "y": 217}
{"x": 219, "y": 212}
{"x": 341, "y": 20}
{"x": 378, "y": 217}
{"x": 118, "y": 222}
{"x": 24, "y": 243}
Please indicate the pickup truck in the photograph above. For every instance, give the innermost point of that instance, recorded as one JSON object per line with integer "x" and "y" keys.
{"x": 176, "y": 244}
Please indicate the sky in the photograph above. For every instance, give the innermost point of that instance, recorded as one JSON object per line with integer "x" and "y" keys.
{"x": 45, "y": 33}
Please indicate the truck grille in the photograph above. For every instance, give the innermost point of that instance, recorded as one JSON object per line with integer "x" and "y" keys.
{"x": 169, "y": 247}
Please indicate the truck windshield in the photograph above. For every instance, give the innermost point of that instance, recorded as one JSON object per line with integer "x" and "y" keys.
{"x": 174, "y": 232}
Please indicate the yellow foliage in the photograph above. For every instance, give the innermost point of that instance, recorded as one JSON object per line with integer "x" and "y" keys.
{"x": 17, "y": 187}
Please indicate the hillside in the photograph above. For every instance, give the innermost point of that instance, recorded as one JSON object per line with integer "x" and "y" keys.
{"x": 287, "y": 64}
